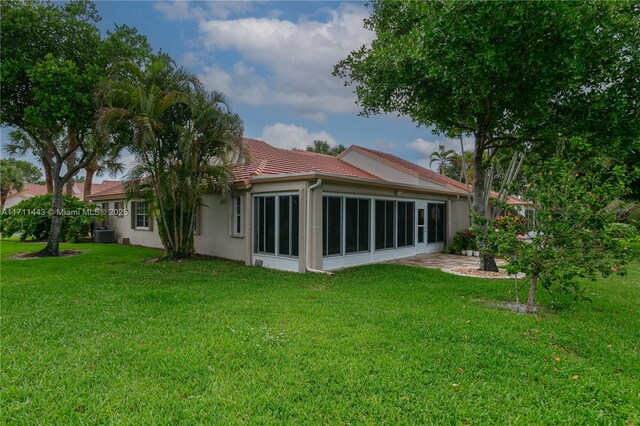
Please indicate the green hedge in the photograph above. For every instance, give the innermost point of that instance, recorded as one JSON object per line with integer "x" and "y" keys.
{"x": 32, "y": 219}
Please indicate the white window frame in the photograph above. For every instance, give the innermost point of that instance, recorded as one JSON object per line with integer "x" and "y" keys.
{"x": 277, "y": 225}
{"x": 146, "y": 204}
{"x": 237, "y": 227}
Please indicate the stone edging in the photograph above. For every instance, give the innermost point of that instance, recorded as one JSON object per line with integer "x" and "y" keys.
{"x": 460, "y": 274}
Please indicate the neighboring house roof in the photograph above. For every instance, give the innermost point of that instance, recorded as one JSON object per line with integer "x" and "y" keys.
{"x": 512, "y": 200}
{"x": 408, "y": 167}
{"x": 30, "y": 190}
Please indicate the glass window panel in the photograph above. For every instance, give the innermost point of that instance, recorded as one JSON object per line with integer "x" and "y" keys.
{"x": 283, "y": 226}
{"x": 334, "y": 225}
{"x": 325, "y": 220}
{"x": 410, "y": 223}
{"x": 238, "y": 216}
{"x": 380, "y": 221}
{"x": 420, "y": 225}
{"x": 257, "y": 235}
{"x": 402, "y": 224}
{"x": 351, "y": 225}
{"x": 270, "y": 225}
{"x": 440, "y": 233}
{"x": 364, "y": 229}
{"x": 389, "y": 222}
{"x": 295, "y": 227}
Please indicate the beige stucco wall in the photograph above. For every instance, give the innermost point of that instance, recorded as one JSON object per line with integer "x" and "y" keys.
{"x": 215, "y": 236}
{"x": 15, "y": 199}
{"x": 378, "y": 168}
{"x": 459, "y": 217}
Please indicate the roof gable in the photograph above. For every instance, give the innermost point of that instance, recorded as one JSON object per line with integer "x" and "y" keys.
{"x": 407, "y": 167}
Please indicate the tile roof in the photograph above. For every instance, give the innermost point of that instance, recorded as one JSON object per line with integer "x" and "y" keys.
{"x": 264, "y": 159}
{"x": 409, "y": 167}
{"x": 34, "y": 189}
{"x": 31, "y": 188}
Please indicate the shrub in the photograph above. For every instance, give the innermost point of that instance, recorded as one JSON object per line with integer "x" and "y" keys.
{"x": 634, "y": 217}
{"x": 464, "y": 239}
{"x": 623, "y": 231}
{"x": 32, "y": 218}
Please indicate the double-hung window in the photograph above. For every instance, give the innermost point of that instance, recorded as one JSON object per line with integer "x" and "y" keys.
{"x": 142, "y": 215}
{"x": 236, "y": 216}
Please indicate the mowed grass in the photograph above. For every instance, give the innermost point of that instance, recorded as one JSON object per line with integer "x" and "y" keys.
{"x": 104, "y": 337}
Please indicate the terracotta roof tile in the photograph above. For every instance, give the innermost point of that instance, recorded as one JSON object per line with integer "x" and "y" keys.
{"x": 265, "y": 159}
{"x": 410, "y": 167}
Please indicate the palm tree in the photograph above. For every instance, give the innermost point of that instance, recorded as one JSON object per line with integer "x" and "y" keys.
{"x": 107, "y": 162}
{"x": 11, "y": 177}
{"x": 443, "y": 157}
{"x": 183, "y": 139}
{"x": 463, "y": 162}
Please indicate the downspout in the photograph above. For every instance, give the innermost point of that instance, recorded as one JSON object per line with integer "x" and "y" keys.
{"x": 308, "y": 239}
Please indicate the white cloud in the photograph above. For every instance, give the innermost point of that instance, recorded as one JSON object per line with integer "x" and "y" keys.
{"x": 424, "y": 148}
{"x": 285, "y": 62}
{"x": 182, "y": 10}
{"x": 290, "y": 136}
{"x": 384, "y": 144}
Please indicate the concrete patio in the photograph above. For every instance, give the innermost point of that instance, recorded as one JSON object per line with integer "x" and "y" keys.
{"x": 442, "y": 261}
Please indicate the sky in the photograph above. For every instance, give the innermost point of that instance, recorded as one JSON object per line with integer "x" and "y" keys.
{"x": 274, "y": 62}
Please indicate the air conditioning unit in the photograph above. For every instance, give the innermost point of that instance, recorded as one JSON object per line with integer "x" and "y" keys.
{"x": 103, "y": 236}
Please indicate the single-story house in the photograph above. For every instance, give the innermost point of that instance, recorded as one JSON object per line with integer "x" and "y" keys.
{"x": 30, "y": 190}
{"x": 303, "y": 211}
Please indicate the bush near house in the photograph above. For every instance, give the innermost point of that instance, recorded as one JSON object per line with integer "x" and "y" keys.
{"x": 623, "y": 231}
{"x": 32, "y": 219}
{"x": 464, "y": 239}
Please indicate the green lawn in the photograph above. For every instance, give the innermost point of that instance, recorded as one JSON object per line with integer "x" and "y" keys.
{"x": 105, "y": 338}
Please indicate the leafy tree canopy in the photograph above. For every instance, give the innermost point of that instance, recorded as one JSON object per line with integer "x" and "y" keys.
{"x": 323, "y": 147}
{"x": 507, "y": 73}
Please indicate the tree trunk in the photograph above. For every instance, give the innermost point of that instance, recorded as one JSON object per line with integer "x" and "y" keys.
{"x": 48, "y": 176}
{"x": 88, "y": 180}
{"x": 53, "y": 245}
{"x": 487, "y": 261}
{"x": 71, "y": 159}
{"x": 531, "y": 299}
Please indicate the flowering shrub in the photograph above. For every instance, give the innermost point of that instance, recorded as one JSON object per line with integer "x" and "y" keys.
{"x": 512, "y": 222}
{"x": 464, "y": 239}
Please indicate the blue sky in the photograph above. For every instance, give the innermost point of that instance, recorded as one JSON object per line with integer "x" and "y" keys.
{"x": 274, "y": 61}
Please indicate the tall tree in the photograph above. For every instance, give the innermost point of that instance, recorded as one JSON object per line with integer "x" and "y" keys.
{"x": 443, "y": 157}
{"x": 107, "y": 162}
{"x": 323, "y": 147}
{"x": 21, "y": 143}
{"x": 183, "y": 140}
{"x": 12, "y": 177}
{"x": 51, "y": 68}
{"x": 506, "y": 73}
